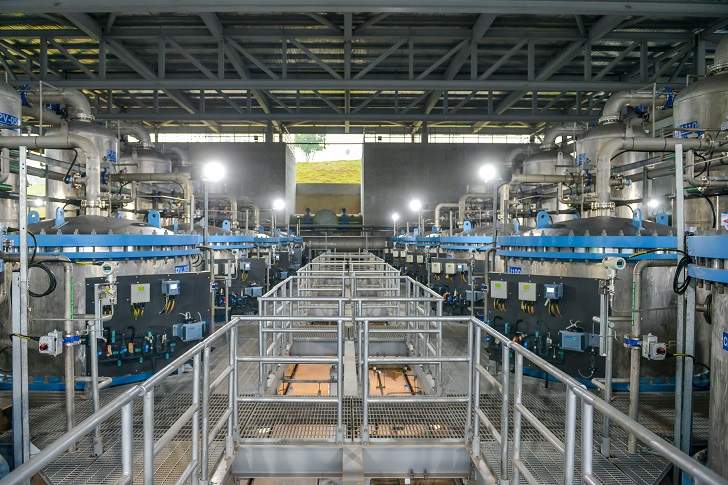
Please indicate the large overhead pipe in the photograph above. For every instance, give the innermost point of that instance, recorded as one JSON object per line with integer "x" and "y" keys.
{"x": 464, "y": 199}
{"x": 233, "y": 206}
{"x": 541, "y": 179}
{"x": 93, "y": 160}
{"x": 515, "y": 152}
{"x": 178, "y": 178}
{"x": 138, "y": 131}
{"x": 48, "y": 116}
{"x": 612, "y": 111}
{"x": 442, "y": 206}
{"x": 611, "y": 148}
{"x": 256, "y": 213}
{"x": 562, "y": 130}
{"x": 71, "y": 97}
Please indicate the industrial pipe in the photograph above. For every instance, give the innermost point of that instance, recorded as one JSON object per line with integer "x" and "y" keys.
{"x": 179, "y": 178}
{"x": 541, "y": 179}
{"x": 514, "y": 153}
{"x": 256, "y": 213}
{"x": 93, "y": 160}
{"x": 612, "y": 111}
{"x": 346, "y": 243}
{"x": 464, "y": 199}
{"x": 47, "y": 115}
{"x": 551, "y": 134}
{"x": 71, "y": 97}
{"x": 69, "y": 356}
{"x": 636, "y": 352}
{"x": 138, "y": 131}
{"x": 233, "y": 206}
{"x": 611, "y": 148}
{"x": 439, "y": 208}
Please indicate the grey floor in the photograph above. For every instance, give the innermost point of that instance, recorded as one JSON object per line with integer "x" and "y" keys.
{"x": 316, "y": 421}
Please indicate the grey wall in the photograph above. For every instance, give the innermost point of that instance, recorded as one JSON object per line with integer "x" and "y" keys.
{"x": 395, "y": 173}
{"x": 256, "y": 172}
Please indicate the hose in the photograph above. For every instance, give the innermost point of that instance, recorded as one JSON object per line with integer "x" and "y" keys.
{"x": 51, "y": 281}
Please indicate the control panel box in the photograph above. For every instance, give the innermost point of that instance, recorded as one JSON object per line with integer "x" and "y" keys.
{"x": 410, "y": 258}
{"x": 461, "y": 267}
{"x": 474, "y": 296}
{"x": 254, "y": 291}
{"x": 499, "y": 290}
{"x": 652, "y": 349}
{"x": 553, "y": 291}
{"x": 170, "y": 287}
{"x": 395, "y": 253}
{"x": 436, "y": 268}
{"x": 51, "y": 344}
{"x": 420, "y": 259}
{"x": 449, "y": 268}
{"x": 189, "y": 332}
{"x": 526, "y": 291}
{"x": 141, "y": 293}
{"x": 576, "y": 341}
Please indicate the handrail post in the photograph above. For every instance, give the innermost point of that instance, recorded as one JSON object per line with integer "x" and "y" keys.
{"x": 204, "y": 459}
{"x": 195, "y": 445}
{"x": 340, "y": 382}
{"x": 471, "y": 370}
{"x": 475, "y": 395}
{"x": 506, "y": 372}
{"x": 569, "y": 436}
{"x": 587, "y": 441}
{"x": 517, "y": 399}
{"x": 127, "y": 442}
{"x": 365, "y": 385}
{"x": 232, "y": 402}
{"x": 149, "y": 437}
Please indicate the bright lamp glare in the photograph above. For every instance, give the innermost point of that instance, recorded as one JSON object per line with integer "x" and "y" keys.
{"x": 653, "y": 203}
{"x": 213, "y": 172}
{"x": 488, "y": 173}
{"x": 395, "y": 217}
{"x": 38, "y": 202}
{"x": 278, "y": 204}
{"x": 415, "y": 205}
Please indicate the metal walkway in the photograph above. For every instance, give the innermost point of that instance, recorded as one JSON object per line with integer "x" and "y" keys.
{"x": 293, "y": 422}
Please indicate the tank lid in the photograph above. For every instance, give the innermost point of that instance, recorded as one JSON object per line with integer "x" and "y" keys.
{"x": 96, "y": 225}
{"x": 602, "y": 226}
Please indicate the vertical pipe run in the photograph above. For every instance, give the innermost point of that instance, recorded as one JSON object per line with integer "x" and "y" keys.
{"x": 69, "y": 355}
{"x": 365, "y": 384}
{"x": 680, "y": 345}
{"x": 340, "y": 380}
{"x": 98, "y": 445}
{"x": 232, "y": 403}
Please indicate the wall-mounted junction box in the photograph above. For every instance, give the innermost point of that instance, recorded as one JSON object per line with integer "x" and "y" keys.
{"x": 526, "y": 291}
{"x": 436, "y": 268}
{"x": 254, "y": 291}
{"x": 499, "y": 290}
{"x": 170, "y": 288}
{"x": 395, "y": 253}
{"x": 553, "y": 291}
{"x": 449, "y": 268}
{"x": 140, "y": 293}
{"x": 420, "y": 258}
{"x": 410, "y": 258}
{"x": 575, "y": 341}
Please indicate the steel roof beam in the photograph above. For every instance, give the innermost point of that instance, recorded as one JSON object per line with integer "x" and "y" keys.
{"x": 665, "y": 8}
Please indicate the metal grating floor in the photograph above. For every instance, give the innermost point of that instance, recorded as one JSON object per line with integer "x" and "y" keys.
{"x": 317, "y": 422}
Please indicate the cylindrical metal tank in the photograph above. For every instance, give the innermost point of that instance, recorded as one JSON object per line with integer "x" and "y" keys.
{"x": 702, "y": 107}
{"x": 657, "y": 291}
{"x": 144, "y": 159}
{"x": 10, "y": 112}
{"x": 325, "y": 217}
{"x": 591, "y": 141}
{"x": 718, "y": 434}
{"x": 103, "y": 138}
{"x": 52, "y": 306}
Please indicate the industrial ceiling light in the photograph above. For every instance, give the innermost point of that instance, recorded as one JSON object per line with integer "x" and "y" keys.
{"x": 278, "y": 204}
{"x": 415, "y": 205}
{"x": 395, "y": 217}
{"x": 653, "y": 203}
{"x": 213, "y": 172}
{"x": 38, "y": 202}
{"x": 488, "y": 173}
